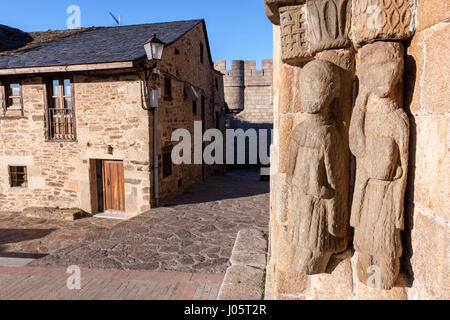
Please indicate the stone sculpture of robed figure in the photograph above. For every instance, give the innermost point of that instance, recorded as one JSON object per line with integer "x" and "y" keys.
{"x": 318, "y": 204}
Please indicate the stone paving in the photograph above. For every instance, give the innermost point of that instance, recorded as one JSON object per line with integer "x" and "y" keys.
{"x": 23, "y": 237}
{"x": 193, "y": 232}
{"x": 51, "y": 284}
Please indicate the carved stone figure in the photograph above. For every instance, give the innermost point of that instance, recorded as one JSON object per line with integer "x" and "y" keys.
{"x": 379, "y": 138}
{"x": 317, "y": 201}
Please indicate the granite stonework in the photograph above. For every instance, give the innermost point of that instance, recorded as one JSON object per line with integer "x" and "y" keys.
{"x": 403, "y": 56}
{"x": 109, "y": 112}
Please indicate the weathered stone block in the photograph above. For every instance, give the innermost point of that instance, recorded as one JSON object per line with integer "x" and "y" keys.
{"x": 328, "y": 24}
{"x": 426, "y": 76}
{"x": 430, "y": 258}
{"x": 428, "y": 178}
{"x": 337, "y": 284}
{"x": 241, "y": 283}
{"x": 435, "y": 80}
{"x": 273, "y": 6}
{"x": 431, "y": 12}
{"x": 294, "y": 35}
{"x": 250, "y": 238}
{"x": 382, "y": 19}
{"x": 54, "y": 213}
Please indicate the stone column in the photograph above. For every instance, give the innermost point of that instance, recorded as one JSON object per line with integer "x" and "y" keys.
{"x": 292, "y": 263}
{"x": 308, "y": 193}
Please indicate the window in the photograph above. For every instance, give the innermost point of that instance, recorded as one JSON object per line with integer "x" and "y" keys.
{"x": 18, "y": 177}
{"x": 60, "y": 117}
{"x": 12, "y": 99}
{"x": 217, "y": 84}
{"x": 194, "y": 107}
{"x": 201, "y": 52}
{"x": 217, "y": 120}
{"x": 167, "y": 88}
{"x": 167, "y": 161}
{"x": 203, "y": 106}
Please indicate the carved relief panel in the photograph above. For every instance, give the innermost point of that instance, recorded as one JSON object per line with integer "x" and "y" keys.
{"x": 329, "y": 24}
{"x": 294, "y": 35}
{"x": 382, "y": 19}
{"x": 273, "y": 6}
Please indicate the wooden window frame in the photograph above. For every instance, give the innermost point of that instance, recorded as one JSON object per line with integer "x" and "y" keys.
{"x": 194, "y": 107}
{"x": 49, "y": 109}
{"x": 5, "y": 88}
{"x": 14, "y": 180}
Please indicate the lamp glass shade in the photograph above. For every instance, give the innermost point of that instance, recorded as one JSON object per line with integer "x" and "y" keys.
{"x": 154, "y": 48}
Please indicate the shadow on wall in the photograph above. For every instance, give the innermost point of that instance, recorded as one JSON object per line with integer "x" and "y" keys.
{"x": 238, "y": 183}
{"x": 409, "y": 88}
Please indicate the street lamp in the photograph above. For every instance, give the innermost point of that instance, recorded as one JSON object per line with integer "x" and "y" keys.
{"x": 154, "y": 48}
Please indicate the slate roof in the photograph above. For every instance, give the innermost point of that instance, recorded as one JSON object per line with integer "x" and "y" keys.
{"x": 86, "y": 46}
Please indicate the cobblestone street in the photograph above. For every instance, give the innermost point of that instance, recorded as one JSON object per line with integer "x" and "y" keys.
{"x": 193, "y": 232}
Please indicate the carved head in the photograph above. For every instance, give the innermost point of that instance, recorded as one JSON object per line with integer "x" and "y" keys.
{"x": 319, "y": 86}
{"x": 382, "y": 65}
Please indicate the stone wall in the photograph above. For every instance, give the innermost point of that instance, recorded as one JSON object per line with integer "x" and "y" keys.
{"x": 424, "y": 264}
{"x": 427, "y": 197}
{"x": 109, "y": 111}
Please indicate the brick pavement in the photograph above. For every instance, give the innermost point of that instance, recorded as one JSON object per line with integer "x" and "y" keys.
{"x": 27, "y": 283}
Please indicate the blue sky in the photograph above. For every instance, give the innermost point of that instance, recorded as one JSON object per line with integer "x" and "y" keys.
{"x": 237, "y": 29}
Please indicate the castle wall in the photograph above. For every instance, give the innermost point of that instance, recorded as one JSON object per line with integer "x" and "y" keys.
{"x": 248, "y": 90}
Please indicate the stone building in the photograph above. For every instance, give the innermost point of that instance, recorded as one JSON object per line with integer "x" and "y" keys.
{"x": 248, "y": 94}
{"x": 406, "y": 51}
{"x": 77, "y": 124}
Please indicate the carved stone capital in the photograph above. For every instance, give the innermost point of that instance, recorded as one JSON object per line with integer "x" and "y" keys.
{"x": 382, "y": 19}
{"x": 294, "y": 35}
{"x": 273, "y": 6}
{"x": 328, "y": 24}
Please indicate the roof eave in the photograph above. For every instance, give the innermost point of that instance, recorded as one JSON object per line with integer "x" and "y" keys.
{"x": 68, "y": 68}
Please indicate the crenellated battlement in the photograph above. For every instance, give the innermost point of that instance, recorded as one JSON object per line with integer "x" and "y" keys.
{"x": 248, "y": 88}
{"x": 245, "y": 72}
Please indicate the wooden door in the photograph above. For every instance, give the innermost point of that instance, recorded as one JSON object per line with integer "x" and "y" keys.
{"x": 113, "y": 186}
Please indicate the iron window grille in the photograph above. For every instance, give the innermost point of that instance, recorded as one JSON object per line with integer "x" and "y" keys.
{"x": 18, "y": 177}
{"x": 60, "y": 113}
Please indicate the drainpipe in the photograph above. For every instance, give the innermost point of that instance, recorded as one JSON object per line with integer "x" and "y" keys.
{"x": 155, "y": 155}
{"x": 146, "y": 101}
